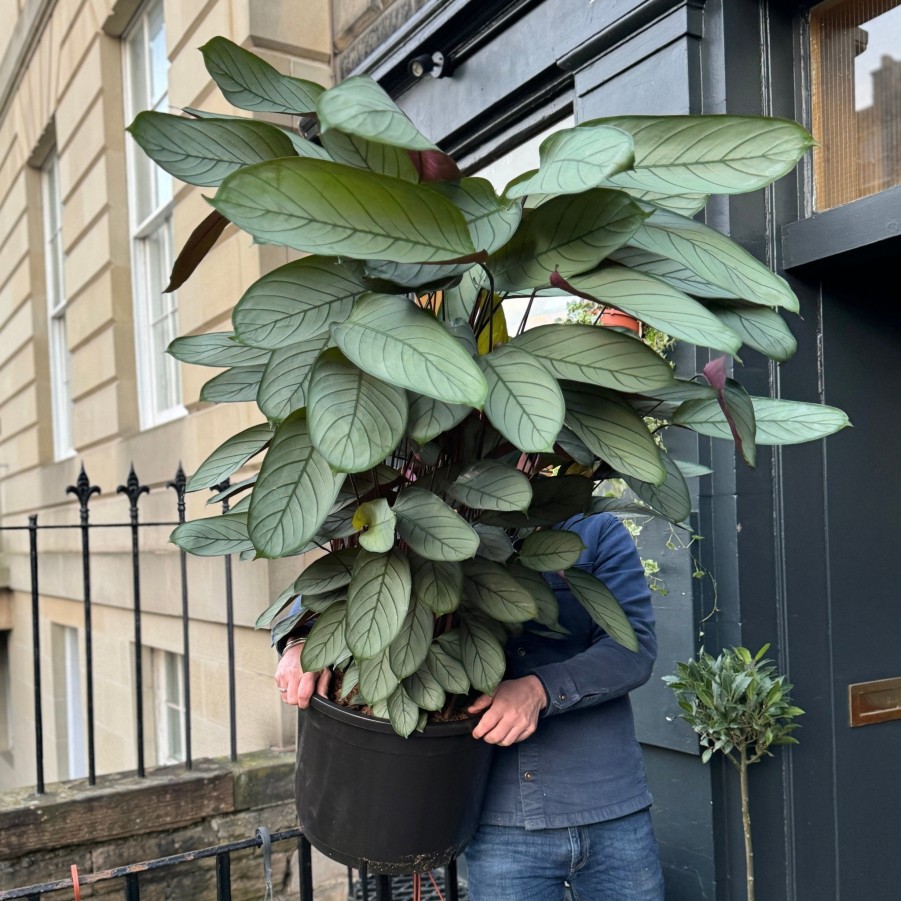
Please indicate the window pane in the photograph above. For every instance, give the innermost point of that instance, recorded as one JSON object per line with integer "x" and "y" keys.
{"x": 856, "y": 62}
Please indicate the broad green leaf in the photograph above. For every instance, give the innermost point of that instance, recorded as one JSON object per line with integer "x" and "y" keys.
{"x": 296, "y": 302}
{"x": 489, "y": 485}
{"x": 402, "y": 344}
{"x": 492, "y": 220}
{"x": 575, "y": 159}
{"x": 377, "y": 681}
{"x": 671, "y": 498}
{"x": 355, "y": 151}
{"x": 460, "y": 301}
{"x": 708, "y": 154}
{"x": 376, "y": 520}
{"x": 250, "y": 83}
{"x": 424, "y": 690}
{"x": 359, "y": 106}
{"x": 437, "y": 584}
{"x": 524, "y": 401}
{"x": 415, "y": 275}
{"x": 272, "y": 611}
{"x": 553, "y": 500}
{"x": 542, "y": 594}
{"x": 325, "y": 644}
{"x": 549, "y": 550}
{"x": 715, "y": 258}
{"x": 658, "y": 304}
{"x": 356, "y": 420}
{"x": 569, "y": 234}
{"x": 230, "y": 456}
{"x": 431, "y": 528}
{"x": 411, "y": 646}
{"x": 685, "y": 204}
{"x": 572, "y": 445}
{"x": 322, "y": 207}
{"x": 489, "y": 587}
{"x": 319, "y": 603}
{"x": 285, "y": 383}
{"x": 327, "y": 573}
{"x": 200, "y": 242}
{"x": 430, "y": 418}
{"x": 669, "y": 271}
{"x": 448, "y": 671}
{"x": 597, "y": 356}
{"x": 403, "y": 712}
{"x": 613, "y": 430}
{"x": 692, "y": 470}
{"x": 482, "y": 655}
{"x": 214, "y": 536}
{"x": 763, "y": 329}
{"x": 203, "y": 151}
{"x": 378, "y": 600}
{"x": 294, "y": 492}
{"x": 236, "y": 385}
{"x": 216, "y": 349}
{"x": 603, "y": 607}
{"x": 233, "y": 488}
{"x": 494, "y": 543}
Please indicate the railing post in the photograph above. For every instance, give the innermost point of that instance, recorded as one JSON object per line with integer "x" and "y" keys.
{"x": 36, "y": 651}
{"x": 451, "y": 883}
{"x": 305, "y": 866}
{"x": 223, "y": 877}
{"x": 133, "y": 490}
{"x": 230, "y": 637}
{"x": 178, "y": 484}
{"x": 83, "y": 490}
{"x": 132, "y": 888}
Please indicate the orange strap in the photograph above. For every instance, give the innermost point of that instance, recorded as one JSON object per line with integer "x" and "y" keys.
{"x": 75, "y": 885}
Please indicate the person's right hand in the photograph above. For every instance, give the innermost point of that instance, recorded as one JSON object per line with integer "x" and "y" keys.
{"x": 296, "y": 686}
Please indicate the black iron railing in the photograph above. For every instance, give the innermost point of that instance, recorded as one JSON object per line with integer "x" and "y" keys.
{"x": 360, "y": 886}
{"x": 132, "y": 490}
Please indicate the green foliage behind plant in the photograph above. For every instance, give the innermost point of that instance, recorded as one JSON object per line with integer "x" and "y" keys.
{"x": 403, "y": 430}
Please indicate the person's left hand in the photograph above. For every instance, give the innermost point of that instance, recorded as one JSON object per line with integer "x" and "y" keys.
{"x": 296, "y": 686}
{"x": 511, "y": 713}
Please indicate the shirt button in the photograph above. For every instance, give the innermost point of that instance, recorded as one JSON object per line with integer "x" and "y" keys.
{"x": 528, "y": 776}
{"x": 520, "y": 652}
{"x": 561, "y": 696}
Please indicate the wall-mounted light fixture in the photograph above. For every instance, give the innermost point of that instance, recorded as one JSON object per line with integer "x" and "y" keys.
{"x": 433, "y": 64}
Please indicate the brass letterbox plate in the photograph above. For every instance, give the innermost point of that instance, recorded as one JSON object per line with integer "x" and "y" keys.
{"x": 875, "y": 702}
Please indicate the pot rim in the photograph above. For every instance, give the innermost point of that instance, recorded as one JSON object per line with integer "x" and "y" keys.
{"x": 375, "y": 724}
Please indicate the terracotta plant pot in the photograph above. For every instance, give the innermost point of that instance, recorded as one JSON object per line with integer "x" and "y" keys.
{"x": 366, "y": 796}
{"x": 617, "y": 319}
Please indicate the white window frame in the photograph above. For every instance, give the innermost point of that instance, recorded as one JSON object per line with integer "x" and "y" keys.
{"x": 72, "y": 759}
{"x": 151, "y": 252}
{"x": 54, "y": 277}
{"x": 169, "y": 699}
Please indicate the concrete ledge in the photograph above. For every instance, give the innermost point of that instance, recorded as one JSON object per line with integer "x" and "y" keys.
{"x": 123, "y": 805}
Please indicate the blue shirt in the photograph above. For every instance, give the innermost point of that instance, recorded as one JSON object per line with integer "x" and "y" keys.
{"x": 583, "y": 764}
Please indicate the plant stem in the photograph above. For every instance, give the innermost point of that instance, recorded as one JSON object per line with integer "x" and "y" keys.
{"x": 746, "y": 823}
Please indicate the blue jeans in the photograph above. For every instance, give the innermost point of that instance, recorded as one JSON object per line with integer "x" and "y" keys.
{"x": 617, "y": 860}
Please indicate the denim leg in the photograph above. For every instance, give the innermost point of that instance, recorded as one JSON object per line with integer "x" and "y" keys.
{"x": 510, "y": 864}
{"x": 622, "y": 862}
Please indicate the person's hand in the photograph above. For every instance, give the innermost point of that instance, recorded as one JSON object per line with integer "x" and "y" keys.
{"x": 511, "y": 713}
{"x": 296, "y": 686}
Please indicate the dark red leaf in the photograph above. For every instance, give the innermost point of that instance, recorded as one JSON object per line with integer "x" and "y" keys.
{"x": 558, "y": 281}
{"x": 196, "y": 248}
{"x": 435, "y": 165}
{"x": 715, "y": 373}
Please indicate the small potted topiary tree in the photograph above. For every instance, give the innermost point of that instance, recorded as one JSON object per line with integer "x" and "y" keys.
{"x": 423, "y": 444}
{"x": 739, "y": 707}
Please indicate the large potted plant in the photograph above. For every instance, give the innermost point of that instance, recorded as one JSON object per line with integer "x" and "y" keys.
{"x": 426, "y": 446}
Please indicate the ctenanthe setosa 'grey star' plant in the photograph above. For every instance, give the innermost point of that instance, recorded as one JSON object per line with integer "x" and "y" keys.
{"x": 424, "y": 444}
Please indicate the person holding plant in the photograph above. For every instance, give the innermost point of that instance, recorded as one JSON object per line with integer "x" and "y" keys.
{"x": 567, "y": 800}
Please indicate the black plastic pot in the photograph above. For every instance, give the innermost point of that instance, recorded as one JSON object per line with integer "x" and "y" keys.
{"x": 366, "y": 796}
